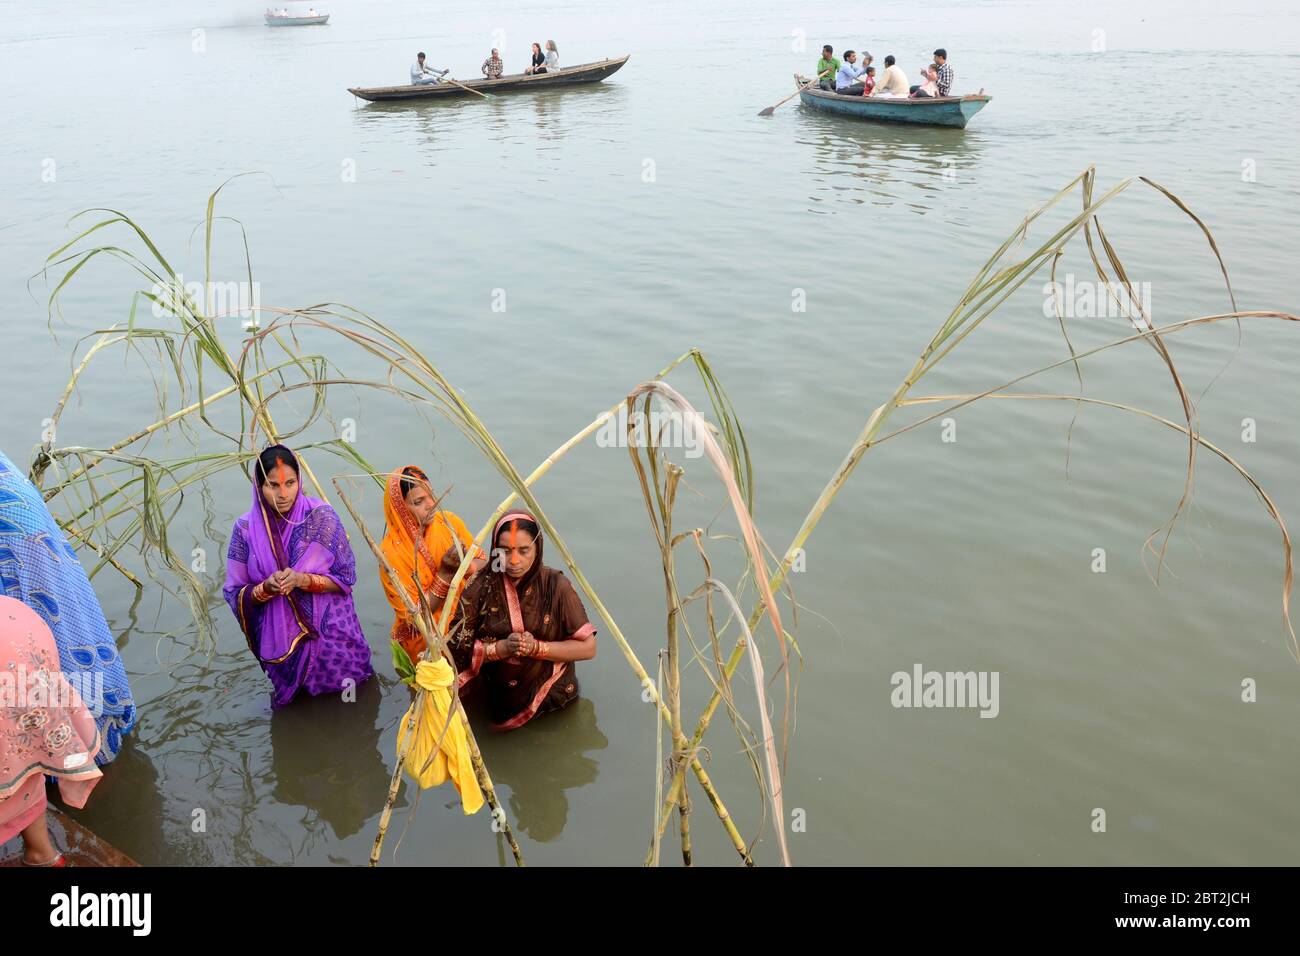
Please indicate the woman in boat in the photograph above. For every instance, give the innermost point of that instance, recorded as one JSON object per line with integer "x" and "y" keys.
{"x": 525, "y": 627}
{"x": 39, "y": 568}
{"x": 45, "y": 728}
{"x": 552, "y": 57}
{"x": 289, "y": 578}
{"x": 538, "y": 60}
{"x": 421, "y": 538}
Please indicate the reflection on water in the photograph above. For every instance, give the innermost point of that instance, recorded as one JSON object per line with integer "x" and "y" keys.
{"x": 508, "y": 119}
{"x": 325, "y": 757}
{"x": 540, "y": 761}
{"x": 127, "y": 803}
{"x": 882, "y": 163}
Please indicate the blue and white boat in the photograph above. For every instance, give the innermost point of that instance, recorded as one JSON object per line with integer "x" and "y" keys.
{"x": 926, "y": 111}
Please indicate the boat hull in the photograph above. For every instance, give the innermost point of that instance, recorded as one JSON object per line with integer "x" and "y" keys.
{"x": 297, "y": 21}
{"x": 517, "y": 82}
{"x": 939, "y": 111}
{"x": 79, "y": 846}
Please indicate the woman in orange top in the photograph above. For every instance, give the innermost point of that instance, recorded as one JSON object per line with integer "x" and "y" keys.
{"x": 422, "y": 536}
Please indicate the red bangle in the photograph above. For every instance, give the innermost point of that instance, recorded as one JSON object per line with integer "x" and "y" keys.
{"x": 440, "y": 588}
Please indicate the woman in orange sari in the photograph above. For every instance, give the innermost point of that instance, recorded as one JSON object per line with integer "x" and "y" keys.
{"x": 421, "y": 538}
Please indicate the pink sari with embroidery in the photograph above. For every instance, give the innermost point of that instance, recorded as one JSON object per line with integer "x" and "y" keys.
{"x": 45, "y": 727}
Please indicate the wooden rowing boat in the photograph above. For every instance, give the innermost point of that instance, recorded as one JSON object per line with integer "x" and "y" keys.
{"x": 925, "y": 111}
{"x": 291, "y": 21}
{"x": 79, "y": 846}
{"x": 515, "y": 82}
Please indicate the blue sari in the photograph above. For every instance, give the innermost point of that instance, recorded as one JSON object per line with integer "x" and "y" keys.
{"x": 40, "y": 568}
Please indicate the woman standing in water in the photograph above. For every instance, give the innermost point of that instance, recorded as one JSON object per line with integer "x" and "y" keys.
{"x": 289, "y": 578}
{"x": 419, "y": 540}
{"x": 525, "y": 626}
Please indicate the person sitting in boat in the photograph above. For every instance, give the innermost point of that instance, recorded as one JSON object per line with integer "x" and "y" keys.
{"x": 422, "y": 74}
{"x": 493, "y": 67}
{"x": 538, "y": 64}
{"x": 929, "y": 86}
{"x": 943, "y": 72}
{"x": 827, "y": 69}
{"x": 420, "y": 538}
{"x": 893, "y": 82}
{"x": 552, "y": 57}
{"x": 868, "y": 80}
{"x": 848, "y": 80}
{"x": 289, "y": 578}
{"x": 525, "y": 627}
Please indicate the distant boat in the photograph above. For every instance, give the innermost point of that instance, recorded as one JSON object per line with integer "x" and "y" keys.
{"x": 583, "y": 73}
{"x": 275, "y": 20}
{"x": 925, "y": 111}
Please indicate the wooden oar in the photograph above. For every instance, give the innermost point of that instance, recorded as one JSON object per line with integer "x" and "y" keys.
{"x": 772, "y": 109}
{"x": 447, "y": 79}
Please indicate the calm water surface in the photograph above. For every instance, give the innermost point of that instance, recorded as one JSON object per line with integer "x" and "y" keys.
{"x": 973, "y": 554}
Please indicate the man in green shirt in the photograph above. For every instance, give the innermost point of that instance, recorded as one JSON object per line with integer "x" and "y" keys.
{"x": 827, "y": 67}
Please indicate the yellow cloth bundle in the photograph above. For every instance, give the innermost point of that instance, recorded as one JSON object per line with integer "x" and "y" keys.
{"x": 452, "y": 759}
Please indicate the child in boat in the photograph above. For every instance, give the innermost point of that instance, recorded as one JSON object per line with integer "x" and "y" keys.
{"x": 929, "y": 88}
{"x": 869, "y": 81}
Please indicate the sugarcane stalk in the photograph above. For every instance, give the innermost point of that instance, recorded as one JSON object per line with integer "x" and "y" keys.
{"x": 433, "y": 638}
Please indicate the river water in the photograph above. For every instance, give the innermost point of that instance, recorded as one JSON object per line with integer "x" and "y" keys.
{"x": 627, "y": 222}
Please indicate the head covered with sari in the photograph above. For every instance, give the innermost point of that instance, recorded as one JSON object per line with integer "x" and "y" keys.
{"x": 416, "y": 551}
{"x": 308, "y": 639}
{"x": 405, "y": 543}
{"x": 540, "y": 601}
{"x": 284, "y": 620}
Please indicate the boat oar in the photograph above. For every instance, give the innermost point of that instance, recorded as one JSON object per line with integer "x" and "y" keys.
{"x": 772, "y": 109}
{"x": 447, "y": 79}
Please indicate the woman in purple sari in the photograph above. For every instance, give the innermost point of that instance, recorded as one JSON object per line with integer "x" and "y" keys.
{"x": 289, "y": 578}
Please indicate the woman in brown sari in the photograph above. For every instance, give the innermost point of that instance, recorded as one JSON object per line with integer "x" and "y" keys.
{"x": 525, "y": 627}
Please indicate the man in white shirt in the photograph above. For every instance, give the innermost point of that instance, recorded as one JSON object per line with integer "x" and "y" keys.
{"x": 422, "y": 74}
{"x": 893, "y": 82}
{"x": 849, "y": 79}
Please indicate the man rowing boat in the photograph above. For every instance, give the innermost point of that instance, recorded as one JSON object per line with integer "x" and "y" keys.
{"x": 421, "y": 74}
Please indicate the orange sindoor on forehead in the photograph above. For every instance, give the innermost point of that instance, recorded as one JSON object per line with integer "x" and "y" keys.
{"x": 281, "y": 472}
{"x": 514, "y": 535}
